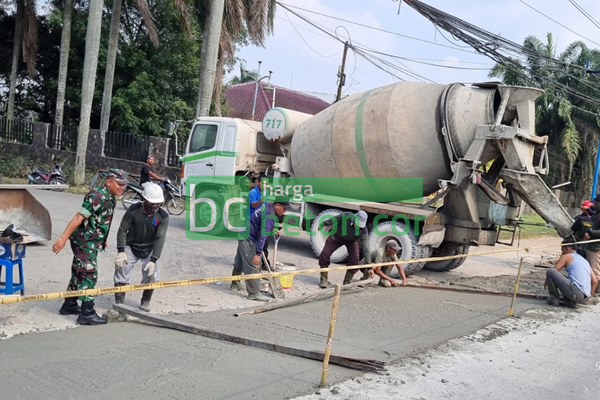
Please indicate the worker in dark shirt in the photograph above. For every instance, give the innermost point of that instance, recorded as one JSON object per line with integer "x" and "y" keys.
{"x": 141, "y": 237}
{"x": 582, "y": 225}
{"x": 349, "y": 229}
{"x": 147, "y": 173}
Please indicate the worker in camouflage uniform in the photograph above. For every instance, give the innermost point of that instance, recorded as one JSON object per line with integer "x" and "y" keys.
{"x": 88, "y": 233}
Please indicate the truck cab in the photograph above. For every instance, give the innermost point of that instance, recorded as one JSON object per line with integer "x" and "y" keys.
{"x": 226, "y": 147}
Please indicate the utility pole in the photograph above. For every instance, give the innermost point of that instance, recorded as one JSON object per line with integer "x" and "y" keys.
{"x": 597, "y": 168}
{"x": 211, "y": 37}
{"x": 341, "y": 74}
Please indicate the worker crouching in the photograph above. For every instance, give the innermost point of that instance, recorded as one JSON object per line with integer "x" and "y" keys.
{"x": 141, "y": 237}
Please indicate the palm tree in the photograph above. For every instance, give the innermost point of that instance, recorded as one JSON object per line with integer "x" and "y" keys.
{"x": 245, "y": 76}
{"x": 569, "y": 121}
{"x": 25, "y": 37}
{"x": 257, "y": 16}
{"x": 65, "y": 45}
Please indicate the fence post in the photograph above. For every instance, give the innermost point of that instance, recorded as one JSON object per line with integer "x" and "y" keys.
{"x": 159, "y": 148}
{"x": 40, "y": 136}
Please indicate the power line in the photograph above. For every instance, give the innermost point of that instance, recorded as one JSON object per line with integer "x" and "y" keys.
{"x": 301, "y": 37}
{"x": 426, "y": 63}
{"x": 555, "y": 21}
{"x": 585, "y": 13}
{"x": 489, "y": 44}
{"x": 376, "y": 29}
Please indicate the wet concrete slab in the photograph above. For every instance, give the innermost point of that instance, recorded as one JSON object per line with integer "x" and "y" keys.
{"x": 138, "y": 360}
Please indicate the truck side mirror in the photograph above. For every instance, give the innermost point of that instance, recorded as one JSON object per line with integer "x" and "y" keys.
{"x": 170, "y": 127}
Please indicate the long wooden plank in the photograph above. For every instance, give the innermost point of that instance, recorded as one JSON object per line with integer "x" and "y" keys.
{"x": 347, "y": 362}
{"x": 304, "y": 299}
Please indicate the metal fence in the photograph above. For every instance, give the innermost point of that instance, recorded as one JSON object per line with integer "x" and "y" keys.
{"x": 62, "y": 138}
{"x": 126, "y": 146}
{"x": 16, "y": 131}
{"x": 172, "y": 157}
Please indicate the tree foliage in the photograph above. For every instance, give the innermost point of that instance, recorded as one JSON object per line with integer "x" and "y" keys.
{"x": 152, "y": 85}
{"x": 570, "y": 122}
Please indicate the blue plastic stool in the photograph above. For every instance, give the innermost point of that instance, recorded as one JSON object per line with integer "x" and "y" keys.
{"x": 9, "y": 286}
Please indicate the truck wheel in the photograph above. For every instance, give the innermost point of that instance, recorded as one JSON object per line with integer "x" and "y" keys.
{"x": 318, "y": 239}
{"x": 447, "y": 249}
{"x": 407, "y": 242}
{"x": 204, "y": 211}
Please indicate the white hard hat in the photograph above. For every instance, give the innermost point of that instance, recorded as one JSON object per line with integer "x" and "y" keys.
{"x": 153, "y": 193}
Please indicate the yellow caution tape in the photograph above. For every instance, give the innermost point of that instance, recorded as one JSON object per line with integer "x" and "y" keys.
{"x": 201, "y": 281}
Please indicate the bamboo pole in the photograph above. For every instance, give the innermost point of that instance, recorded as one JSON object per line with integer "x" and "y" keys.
{"x": 512, "y": 303}
{"x": 336, "y": 300}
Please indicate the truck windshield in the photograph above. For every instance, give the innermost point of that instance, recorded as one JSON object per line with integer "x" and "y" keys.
{"x": 204, "y": 137}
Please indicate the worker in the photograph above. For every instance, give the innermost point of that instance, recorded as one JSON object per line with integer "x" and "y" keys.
{"x": 385, "y": 255}
{"x": 593, "y": 249}
{"x": 254, "y": 203}
{"x": 580, "y": 283}
{"x": 141, "y": 237}
{"x": 349, "y": 229}
{"x": 582, "y": 226}
{"x": 88, "y": 232}
{"x": 248, "y": 259}
{"x": 255, "y": 195}
{"x": 147, "y": 173}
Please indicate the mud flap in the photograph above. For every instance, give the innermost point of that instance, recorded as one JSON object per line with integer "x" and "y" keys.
{"x": 434, "y": 231}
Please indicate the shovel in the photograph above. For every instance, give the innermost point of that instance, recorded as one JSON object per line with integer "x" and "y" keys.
{"x": 274, "y": 283}
{"x": 275, "y": 252}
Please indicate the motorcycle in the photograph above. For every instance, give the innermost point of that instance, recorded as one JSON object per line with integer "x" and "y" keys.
{"x": 40, "y": 176}
{"x": 174, "y": 201}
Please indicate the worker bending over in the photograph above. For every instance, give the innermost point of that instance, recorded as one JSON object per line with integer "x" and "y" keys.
{"x": 141, "y": 237}
{"x": 349, "y": 229}
{"x": 580, "y": 283}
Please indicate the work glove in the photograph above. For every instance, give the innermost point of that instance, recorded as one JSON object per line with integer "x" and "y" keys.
{"x": 121, "y": 260}
{"x": 150, "y": 267}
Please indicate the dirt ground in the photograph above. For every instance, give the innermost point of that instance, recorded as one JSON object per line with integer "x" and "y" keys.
{"x": 186, "y": 259}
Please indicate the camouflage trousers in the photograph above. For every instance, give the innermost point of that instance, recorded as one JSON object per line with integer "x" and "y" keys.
{"x": 84, "y": 273}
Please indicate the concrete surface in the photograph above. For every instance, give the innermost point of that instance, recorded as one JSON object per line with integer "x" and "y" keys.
{"x": 186, "y": 259}
{"x": 528, "y": 358}
{"x": 136, "y": 360}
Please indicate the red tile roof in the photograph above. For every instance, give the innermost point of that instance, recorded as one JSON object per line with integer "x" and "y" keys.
{"x": 241, "y": 97}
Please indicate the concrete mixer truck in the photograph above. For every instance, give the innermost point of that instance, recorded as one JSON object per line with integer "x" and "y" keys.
{"x": 474, "y": 147}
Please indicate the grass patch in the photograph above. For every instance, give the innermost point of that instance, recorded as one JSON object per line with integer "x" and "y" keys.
{"x": 531, "y": 231}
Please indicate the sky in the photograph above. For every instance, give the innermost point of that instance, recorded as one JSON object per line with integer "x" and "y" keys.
{"x": 305, "y": 59}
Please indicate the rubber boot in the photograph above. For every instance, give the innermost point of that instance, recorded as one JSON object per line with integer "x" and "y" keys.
{"x": 258, "y": 297}
{"x": 88, "y": 315}
{"x": 554, "y": 296}
{"x": 70, "y": 307}
{"x": 236, "y": 285}
{"x": 119, "y": 297}
{"x": 323, "y": 283}
{"x": 348, "y": 277}
{"x": 146, "y": 296}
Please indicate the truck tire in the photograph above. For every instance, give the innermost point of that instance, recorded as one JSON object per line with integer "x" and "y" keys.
{"x": 447, "y": 249}
{"x": 318, "y": 239}
{"x": 408, "y": 243}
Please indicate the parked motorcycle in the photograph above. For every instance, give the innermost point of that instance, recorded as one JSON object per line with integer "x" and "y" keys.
{"x": 40, "y": 176}
{"x": 174, "y": 201}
